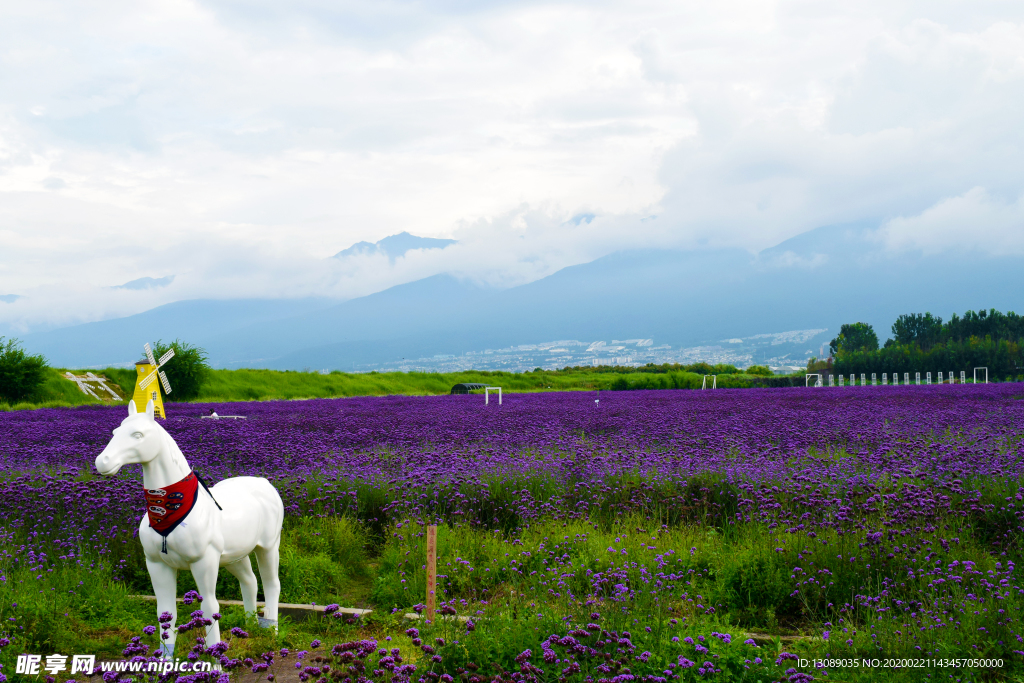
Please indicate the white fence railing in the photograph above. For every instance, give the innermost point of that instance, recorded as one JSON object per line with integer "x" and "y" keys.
{"x": 840, "y": 380}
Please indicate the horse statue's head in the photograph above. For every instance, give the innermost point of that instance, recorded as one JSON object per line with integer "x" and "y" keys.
{"x": 137, "y": 441}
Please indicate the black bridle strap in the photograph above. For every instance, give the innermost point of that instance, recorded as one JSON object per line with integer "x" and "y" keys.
{"x": 203, "y": 483}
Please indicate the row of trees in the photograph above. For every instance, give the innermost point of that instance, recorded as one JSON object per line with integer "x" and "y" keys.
{"x": 924, "y": 343}
{"x": 1002, "y": 357}
{"x": 689, "y": 380}
{"x": 664, "y": 368}
{"x": 927, "y": 331}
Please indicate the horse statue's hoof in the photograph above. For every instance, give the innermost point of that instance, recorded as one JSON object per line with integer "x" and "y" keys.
{"x": 166, "y": 651}
{"x": 268, "y": 623}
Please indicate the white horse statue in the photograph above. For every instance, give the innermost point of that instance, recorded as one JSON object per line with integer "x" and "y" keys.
{"x": 187, "y": 526}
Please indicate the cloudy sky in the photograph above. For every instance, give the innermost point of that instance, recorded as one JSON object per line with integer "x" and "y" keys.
{"x": 238, "y": 145}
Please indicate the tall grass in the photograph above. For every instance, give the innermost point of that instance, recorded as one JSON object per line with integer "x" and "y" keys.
{"x": 266, "y": 385}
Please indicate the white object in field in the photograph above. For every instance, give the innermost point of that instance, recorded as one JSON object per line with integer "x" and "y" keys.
{"x": 714, "y": 382}
{"x": 102, "y": 382}
{"x": 941, "y": 381}
{"x": 928, "y": 378}
{"x": 885, "y": 378}
{"x": 863, "y": 380}
{"x": 874, "y": 382}
{"x": 963, "y": 377}
{"x": 976, "y": 375}
{"x": 840, "y": 380}
{"x": 831, "y": 380}
{"x": 209, "y": 537}
{"x": 917, "y": 378}
{"x": 157, "y": 372}
{"x": 951, "y": 380}
{"x": 817, "y": 379}
{"x": 83, "y": 384}
{"x": 487, "y": 394}
{"x": 906, "y": 378}
{"x": 214, "y": 416}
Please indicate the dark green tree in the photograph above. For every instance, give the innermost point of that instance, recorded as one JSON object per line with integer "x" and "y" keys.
{"x": 700, "y": 368}
{"x": 854, "y": 337}
{"x": 816, "y": 365}
{"x": 20, "y": 373}
{"x": 914, "y": 328}
{"x": 761, "y": 370}
{"x": 186, "y": 372}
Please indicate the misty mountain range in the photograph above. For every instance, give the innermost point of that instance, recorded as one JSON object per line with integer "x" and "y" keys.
{"x": 819, "y": 279}
{"x": 394, "y": 246}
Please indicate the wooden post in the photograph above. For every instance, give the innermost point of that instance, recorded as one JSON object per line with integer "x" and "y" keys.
{"x": 431, "y": 571}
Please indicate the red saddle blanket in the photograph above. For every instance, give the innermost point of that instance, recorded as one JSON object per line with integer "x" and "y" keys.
{"x": 168, "y": 507}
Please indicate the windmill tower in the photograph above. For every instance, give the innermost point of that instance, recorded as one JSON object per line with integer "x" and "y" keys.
{"x": 146, "y": 387}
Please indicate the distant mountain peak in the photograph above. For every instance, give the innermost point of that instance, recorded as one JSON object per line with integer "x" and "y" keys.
{"x": 147, "y": 283}
{"x": 394, "y": 246}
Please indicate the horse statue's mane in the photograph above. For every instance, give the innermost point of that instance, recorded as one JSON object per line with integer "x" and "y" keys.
{"x": 175, "y": 453}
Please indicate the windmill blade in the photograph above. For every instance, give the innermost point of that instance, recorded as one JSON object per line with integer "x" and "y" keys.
{"x": 147, "y": 381}
{"x": 166, "y": 357}
{"x": 163, "y": 381}
{"x": 149, "y": 355}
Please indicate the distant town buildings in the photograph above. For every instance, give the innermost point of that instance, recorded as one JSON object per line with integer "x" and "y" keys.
{"x": 782, "y": 351}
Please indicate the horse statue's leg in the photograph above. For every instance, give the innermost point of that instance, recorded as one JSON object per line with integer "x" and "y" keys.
{"x": 242, "y": 570}
{"x": 165, "y": 588}
{"x": 268, "y": 559}
{"x": 205, "y": 573}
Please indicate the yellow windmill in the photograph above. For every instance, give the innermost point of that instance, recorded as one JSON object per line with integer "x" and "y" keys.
{"x": 146, "y": 387}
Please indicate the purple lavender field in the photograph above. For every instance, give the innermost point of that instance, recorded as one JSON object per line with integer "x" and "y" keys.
{"x": 869, "y": 521}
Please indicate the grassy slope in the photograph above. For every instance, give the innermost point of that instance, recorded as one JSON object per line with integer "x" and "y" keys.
{"x": 261, "y": 385}
{"x": 56, "y": 391}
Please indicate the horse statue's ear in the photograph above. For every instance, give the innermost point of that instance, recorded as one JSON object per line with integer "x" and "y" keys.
{"x": 132, "y": 410}
{"x": 150, "y": 409}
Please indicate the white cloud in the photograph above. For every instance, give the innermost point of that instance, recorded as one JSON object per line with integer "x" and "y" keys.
{"x": 974, "y": 221}
{"x": 237, "y": 145}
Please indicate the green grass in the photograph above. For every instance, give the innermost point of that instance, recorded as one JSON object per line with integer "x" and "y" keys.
{"x": 525, "y": 580}
{"x": 520, "y": 587}
{"x": 266, "y": 385}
